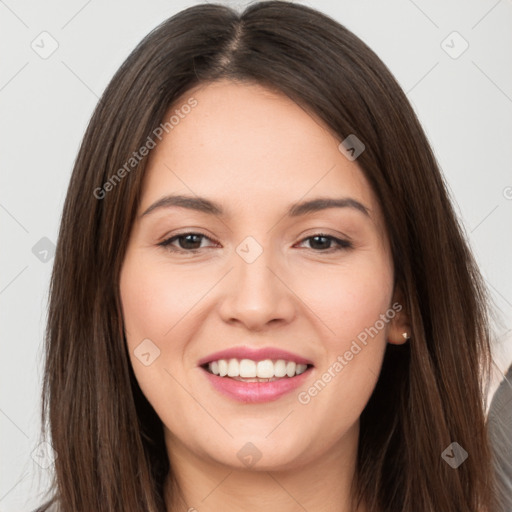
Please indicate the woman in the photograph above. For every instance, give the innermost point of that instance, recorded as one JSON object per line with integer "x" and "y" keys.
{"x": 261, "y": 295}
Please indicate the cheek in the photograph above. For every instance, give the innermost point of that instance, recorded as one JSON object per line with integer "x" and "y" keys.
{"x": 155, "y": 300}
{"x": 154, "y": 303}
{"x": 150, "y": 310}
{"x": 350, "y": 299}
{"x": 353, "y": 305}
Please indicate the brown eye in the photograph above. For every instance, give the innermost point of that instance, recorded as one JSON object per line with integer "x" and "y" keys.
{"x": 187, "y": 242}
{"x": 323, "y": 243}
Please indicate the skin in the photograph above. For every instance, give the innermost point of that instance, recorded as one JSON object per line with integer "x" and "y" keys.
{"x": 255, "y": 152}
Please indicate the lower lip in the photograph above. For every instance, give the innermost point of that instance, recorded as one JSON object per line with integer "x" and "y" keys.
{"x": 256, "y": 392}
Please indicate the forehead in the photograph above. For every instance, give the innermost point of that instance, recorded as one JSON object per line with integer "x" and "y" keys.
{"x": 250, "y": 149}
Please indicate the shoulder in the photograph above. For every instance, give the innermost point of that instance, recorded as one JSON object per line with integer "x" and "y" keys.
{"x": 500, "y": 404}
{"x": 48, "y": 507}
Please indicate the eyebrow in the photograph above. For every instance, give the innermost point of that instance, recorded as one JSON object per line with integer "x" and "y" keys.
{"x": 204, "y": 205}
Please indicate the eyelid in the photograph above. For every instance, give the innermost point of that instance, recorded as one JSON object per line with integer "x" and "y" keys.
{"x": 340, "y": 244}
{"x": 169, "y": 239}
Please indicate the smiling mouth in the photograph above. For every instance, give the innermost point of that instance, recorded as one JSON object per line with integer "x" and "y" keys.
{"x": 248, "y": 370}
{"x": 251, "y": 381}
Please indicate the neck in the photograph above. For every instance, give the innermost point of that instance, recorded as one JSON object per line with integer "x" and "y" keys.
{"x": 323, "y": 485}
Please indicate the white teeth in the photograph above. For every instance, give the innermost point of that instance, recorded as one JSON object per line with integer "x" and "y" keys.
{"x": 290, "y": 369}
{"x": 247, "y": 368}
{"x": 265, "y": 369}
{"x": 223, "y": 367}
{"x": 280, "y": 368}
{"x": 233, "y": 368}
{"x": 300, "y": 368}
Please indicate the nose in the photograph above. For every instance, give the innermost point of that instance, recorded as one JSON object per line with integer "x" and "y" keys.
{"x": 258, "y": 294}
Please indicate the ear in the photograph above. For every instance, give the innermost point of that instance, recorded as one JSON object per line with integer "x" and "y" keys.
{"x": 399, "y": 329}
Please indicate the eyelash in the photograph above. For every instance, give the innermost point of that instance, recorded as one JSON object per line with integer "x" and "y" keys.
{"x": 341, "y": 244}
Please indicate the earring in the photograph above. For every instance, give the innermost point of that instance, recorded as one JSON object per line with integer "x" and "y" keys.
{"x": 406, "y": 335}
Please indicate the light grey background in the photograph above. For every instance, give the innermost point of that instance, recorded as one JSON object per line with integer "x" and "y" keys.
{"x": 464, "y": 104}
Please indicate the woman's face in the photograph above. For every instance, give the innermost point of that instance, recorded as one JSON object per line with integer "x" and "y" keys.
{"x": 254, "y": 275}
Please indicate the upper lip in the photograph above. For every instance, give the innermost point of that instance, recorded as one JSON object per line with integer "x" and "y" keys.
{"x": 256, "y": 354}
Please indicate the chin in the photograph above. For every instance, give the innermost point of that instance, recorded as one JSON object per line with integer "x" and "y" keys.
{"x": 260, "y": 454}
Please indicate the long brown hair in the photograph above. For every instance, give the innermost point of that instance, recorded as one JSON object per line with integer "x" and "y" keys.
{"x": 431, "y": 391}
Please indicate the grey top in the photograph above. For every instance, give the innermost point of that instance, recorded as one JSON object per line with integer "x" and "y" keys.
{"x": 52, "y": 508}
{"x": 500, "y": 435}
